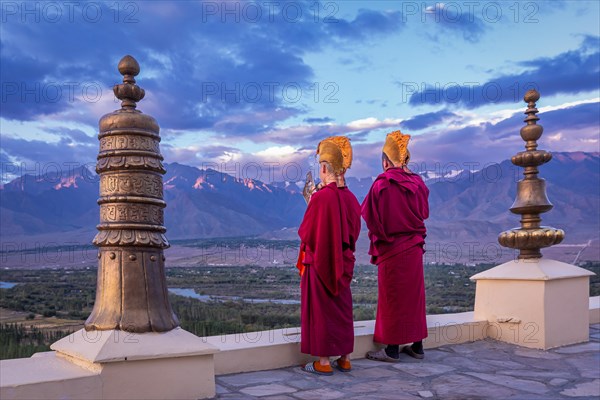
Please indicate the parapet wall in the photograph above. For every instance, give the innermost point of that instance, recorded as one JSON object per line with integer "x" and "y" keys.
{"x": 49, "y": 375}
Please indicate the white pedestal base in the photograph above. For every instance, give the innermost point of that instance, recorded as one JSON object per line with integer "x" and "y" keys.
{"x": 537, "y": 303}
{"x": 115, "y": 365}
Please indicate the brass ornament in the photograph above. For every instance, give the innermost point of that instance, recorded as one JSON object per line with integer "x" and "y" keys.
{"x": 131, "y": 292}
{"x": 531, "y": 198}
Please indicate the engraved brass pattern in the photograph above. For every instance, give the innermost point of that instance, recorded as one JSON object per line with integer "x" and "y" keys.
{"x": 531, "y": 198}
{"x": 132, "y": 183}
{"x": 121, "y": 142}
{"x": 131, "y": 290}
{"x": 136, "y": 213}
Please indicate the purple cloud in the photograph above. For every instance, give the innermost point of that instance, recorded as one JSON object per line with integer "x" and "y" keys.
{"x": 222, "y": 65}
{"x": 426, "y": 120}
{"x": 570, "y": 72}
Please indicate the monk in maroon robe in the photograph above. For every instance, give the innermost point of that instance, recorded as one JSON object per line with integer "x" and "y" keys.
{"x": 328, "y": 234}
{"x": 394, "y": 210}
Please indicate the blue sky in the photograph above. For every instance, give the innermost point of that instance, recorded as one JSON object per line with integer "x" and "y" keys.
{"x": 239, "y": 83}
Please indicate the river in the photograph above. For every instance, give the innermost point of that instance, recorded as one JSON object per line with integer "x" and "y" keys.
{"x": 221, "y": 299}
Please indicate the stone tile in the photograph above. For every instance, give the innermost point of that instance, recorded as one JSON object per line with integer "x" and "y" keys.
{"x": 485, "y": 369}
{"x": 595, "y": 326}
{"x": 513, "y": 383}
{"x": 538, "y": 375}
{"x": 220, "y": 389}
{"x": 504, "y": 364}
{"x": 531, "y": 396}
{"x": 436, "y": 355}
{"x": 426, "y": 394}
{"x": 366, "y": 363}
{"x": 423, "y": 369}
{"x": 303, "y": 383}
{"x": 406, "y": 359}
{"x": 591, "y": 388}
{"x": 595, "y": 335}
{"x": 534, "y": 353}
{"x": 267, "y": 390}
{"x": 468, "y": 364}
{"x": 386, "y": 396}
{"x": 549, "y": 365}
{"x": 253, "y": 378}
{"x": 490, "y": 348}
{"x": 458, "y": 386}
{"x": 588, "y": 365}
{"x": 579, "y": 348}
{"x": 392, "y": 385}
{"x": 324, "y": 394}
{"x": 558, "y": 382}
{"x": 374, "y": 373}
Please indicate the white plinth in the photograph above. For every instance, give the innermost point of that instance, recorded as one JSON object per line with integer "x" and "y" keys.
{"x": 115, "y": 365}
{"x": 537, "y": 303}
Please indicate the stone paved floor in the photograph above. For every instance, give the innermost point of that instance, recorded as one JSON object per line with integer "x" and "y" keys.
{"x": 481, "y": 370}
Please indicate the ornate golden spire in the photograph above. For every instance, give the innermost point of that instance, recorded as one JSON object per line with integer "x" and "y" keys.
{"x": 131, "y": 292}
{"x": 531, "y": 198}
{"x": 128, "y": 91}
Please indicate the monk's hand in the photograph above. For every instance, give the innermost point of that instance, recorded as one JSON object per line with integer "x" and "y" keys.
{"x": 309, "y": 187}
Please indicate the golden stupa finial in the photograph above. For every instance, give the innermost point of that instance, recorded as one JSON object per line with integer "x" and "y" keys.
{"x": 531, "y": 198}
{"x": 131, "y": 292}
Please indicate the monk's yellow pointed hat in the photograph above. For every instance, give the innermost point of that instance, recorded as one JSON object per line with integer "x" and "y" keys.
{"x": 396, "y": 147}
{"x": 337, "y": 151}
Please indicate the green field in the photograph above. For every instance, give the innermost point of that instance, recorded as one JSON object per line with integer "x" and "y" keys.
{"x": 47, "y": 304}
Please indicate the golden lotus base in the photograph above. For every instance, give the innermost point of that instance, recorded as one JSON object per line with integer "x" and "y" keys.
{"x": 530, "y": 241}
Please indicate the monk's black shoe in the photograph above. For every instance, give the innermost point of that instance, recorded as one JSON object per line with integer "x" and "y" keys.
{"x": 410, "y": 351}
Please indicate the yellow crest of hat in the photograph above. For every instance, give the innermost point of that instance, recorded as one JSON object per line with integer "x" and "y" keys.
{"x": 337, "y": 151}
{"x": 396, "y": 147}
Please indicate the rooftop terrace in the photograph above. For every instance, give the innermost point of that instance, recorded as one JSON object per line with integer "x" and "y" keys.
{"x": 486, "y": 369}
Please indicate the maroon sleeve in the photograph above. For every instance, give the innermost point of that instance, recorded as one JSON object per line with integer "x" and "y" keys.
{"x": 320, "y": 233}
{"x": 370, "y": 212}
{"x": 424, "y": 203}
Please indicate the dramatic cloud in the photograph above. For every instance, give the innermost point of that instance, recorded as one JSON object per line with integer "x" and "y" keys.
{"x": 318, "y": 120}
{"x": 219, "y": 75}
{"x": 237, "y": 68}
{"x": 357, "y": 130}
{"x": 456, "y": 19}
{"x": 423, "y": 121}
{"x": 64, "y": 149}
{"x": 570, "y": 72}
{"x": 566, "y": 129}
{"x": 571, "y": 128}
{"x": 366, "y": 23}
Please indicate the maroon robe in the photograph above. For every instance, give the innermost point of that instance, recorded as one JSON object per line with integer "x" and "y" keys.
{"x": 395, "y": 209}
{"x": 328, "y": 234}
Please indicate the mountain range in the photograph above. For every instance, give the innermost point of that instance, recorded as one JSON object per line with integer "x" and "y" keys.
{"x": 466, "y": 205}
